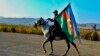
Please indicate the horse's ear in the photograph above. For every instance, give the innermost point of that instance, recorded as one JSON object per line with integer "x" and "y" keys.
{"x": 41, "y": 18}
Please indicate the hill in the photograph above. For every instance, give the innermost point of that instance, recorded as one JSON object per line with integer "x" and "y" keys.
{"x": 17, "y": 21}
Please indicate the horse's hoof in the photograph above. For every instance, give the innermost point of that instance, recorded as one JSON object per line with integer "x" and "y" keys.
{"x": 64, "y": 55}
{"x": 45, "y": 52}
{"x": 51, "y": 53}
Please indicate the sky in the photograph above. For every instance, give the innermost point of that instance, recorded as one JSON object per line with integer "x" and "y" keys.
{"x": 85, "y": 11}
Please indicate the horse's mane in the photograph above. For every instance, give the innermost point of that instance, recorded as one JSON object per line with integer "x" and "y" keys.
{"x": 50, "y": 23}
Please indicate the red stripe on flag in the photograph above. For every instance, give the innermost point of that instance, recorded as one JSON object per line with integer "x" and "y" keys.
{"x": 68, "y": 21}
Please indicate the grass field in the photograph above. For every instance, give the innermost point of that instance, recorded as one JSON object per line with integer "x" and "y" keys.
{"x": 85, "y": 33}
{"x": 20, "y": 29}
{"x": 90, "y": 34}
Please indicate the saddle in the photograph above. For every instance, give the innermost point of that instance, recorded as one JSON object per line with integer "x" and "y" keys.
{"x": 54, "y": 29}
{"x": 57, "y": 33}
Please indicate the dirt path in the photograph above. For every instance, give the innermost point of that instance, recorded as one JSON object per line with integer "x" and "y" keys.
{"x": 16, "y": 44}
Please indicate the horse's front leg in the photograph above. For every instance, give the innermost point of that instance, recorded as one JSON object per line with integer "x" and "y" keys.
{"x": 51, "y": 48}
{"x": 44, "y": 45}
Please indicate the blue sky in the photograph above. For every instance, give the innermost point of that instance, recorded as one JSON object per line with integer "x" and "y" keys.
{"x": 85, "y": 11}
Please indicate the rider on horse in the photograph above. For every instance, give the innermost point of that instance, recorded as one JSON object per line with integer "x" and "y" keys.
{"x": 56, "y": 26}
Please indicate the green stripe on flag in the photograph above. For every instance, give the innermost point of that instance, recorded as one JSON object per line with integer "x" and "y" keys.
{"x": 64, "y": 27}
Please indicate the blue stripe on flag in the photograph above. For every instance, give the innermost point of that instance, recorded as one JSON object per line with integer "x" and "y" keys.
{"x": 70, "y": 13}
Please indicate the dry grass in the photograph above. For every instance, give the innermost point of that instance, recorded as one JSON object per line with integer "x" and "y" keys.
{"x": 20, "y": 29}
{"x": 90, "y": 34}
{"x": 85, "y": 33}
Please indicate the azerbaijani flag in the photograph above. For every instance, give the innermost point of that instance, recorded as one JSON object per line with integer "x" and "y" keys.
{"x": 67, "y": 22}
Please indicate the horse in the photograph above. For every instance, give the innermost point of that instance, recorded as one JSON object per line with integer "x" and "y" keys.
{"x": 60, "y": 35}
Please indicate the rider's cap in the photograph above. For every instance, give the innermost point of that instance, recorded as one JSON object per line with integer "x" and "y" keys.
{"x": 55, "y": 11}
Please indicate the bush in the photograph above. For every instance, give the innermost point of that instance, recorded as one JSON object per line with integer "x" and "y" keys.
{"x": 4, "y": 30}
{"x": 90, "y": 34}
{"x": 95, "y": 36}
{"x": 0, "y": 28}
{"x": 13, "y": 30}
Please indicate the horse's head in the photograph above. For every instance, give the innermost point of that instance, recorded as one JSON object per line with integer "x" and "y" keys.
{"x": 40, "y": 21}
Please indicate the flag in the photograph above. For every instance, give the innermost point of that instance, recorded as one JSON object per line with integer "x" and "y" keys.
{"x": 67, "y": 22}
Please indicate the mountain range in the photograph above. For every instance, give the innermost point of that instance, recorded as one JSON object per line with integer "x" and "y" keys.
{"x": 31, "y": 21}
{"x": 17, "y": 21}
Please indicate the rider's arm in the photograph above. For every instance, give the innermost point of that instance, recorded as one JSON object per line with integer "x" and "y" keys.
{"x": 50, "y": 19}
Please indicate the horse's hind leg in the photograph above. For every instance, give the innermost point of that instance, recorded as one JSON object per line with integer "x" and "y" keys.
{"x": 44, "y": 45}
{"x": 75, "y": 47}
{"x": 68, "y": 44}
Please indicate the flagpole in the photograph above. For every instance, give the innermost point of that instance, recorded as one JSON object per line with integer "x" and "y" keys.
{"x": 64, "y": 8}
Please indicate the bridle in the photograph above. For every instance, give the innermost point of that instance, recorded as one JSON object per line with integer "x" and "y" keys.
{"x": 41, "y": 22}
